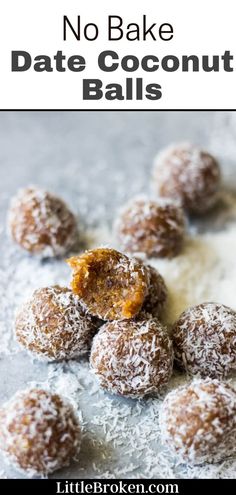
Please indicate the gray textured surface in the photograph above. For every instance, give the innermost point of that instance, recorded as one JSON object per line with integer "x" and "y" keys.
{"x": 90, "y": 157}
{"x": 95, "y": 161}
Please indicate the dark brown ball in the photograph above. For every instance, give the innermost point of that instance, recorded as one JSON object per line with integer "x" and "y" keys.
{"x": 155, "y": 228}
{"x": 204, "y": 339}
{"x": 188, "y": 174}
{"x": 53, "y": 324}
{"x": 39, "y": 432}
{"x": 198, "y": 421}
{"x": 157, "y": 293}
{"x": 41, "y": 223}
{"x": 132, "y": 358}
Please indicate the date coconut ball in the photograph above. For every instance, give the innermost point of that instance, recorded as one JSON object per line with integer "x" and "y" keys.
{"x": 53, "y": 325}
{"x": 110, "y": 285}
{"x": 155, "y": 228}
{"x": 198, "y": 421}
{"x": 157, "y": 294}
{"x": 41, "y": 223}
{"x": 188, "y": 174}
{"x": 132, "y": 358}
{"x": 39, "y": 432}
{"x": 204, "y": 339}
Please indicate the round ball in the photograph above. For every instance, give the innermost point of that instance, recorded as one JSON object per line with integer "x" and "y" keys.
{"x": 198, "y": 421}
{"x": 132, "y": 358}
{"x": 155, "y": 228}
{"x": 111, "y": 285}
{"x": 157, "y": 293}
{"x": 204, "y": 339}
{"x": 188, "y": 174}
{"x": 41, "y": 223}
{"x": 39, "y": 432}
{"x": 53, "y": 325}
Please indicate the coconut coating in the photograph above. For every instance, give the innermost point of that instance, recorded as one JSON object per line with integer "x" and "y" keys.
{"x": 132, "y": 358}
{"x": 157, "y": 293}
{"x": 204, "y": 339}
{"x": 53, "y": 324}
{"x": 39, "y": 432}
{"x": 111, "y": 285}
{"x": 188, "y": 174}
{"x": 41, "y": 223}
{"x": 155, "y": 228}
{"x": 198, "y": 421}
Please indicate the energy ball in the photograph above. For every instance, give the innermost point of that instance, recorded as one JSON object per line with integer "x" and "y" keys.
{"x": 53, "y": 324}
{"x": 204, "y": 339}
{"x": 132, "y": 358}
{"x": 198, "y": 421}
{"x": 39, "y": 432}
{"x": 188, "y": 174}
{"x": 157, "y": 293}
{"x": 41, "y": 223}
{"x": 155, "y": 228}
{"x": 110, "y": 285}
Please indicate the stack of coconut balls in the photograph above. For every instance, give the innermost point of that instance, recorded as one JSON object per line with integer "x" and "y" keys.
{"x": 114, "y": 310}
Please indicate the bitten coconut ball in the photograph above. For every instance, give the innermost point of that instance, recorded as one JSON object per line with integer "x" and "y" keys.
{"x": 53, "y": 325}
{"x": 157, "y": 293}
{"x": 39, "y": 432}
{"x": 188, "y": 174}
{"x": 155, "y": 228}
{"x": 198, "y": 421}
{"x": 132, "y": 358}
{"x": 204, "y": 339}
{"x": 41, "y": 223}
{"x": 111, "y": 285}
